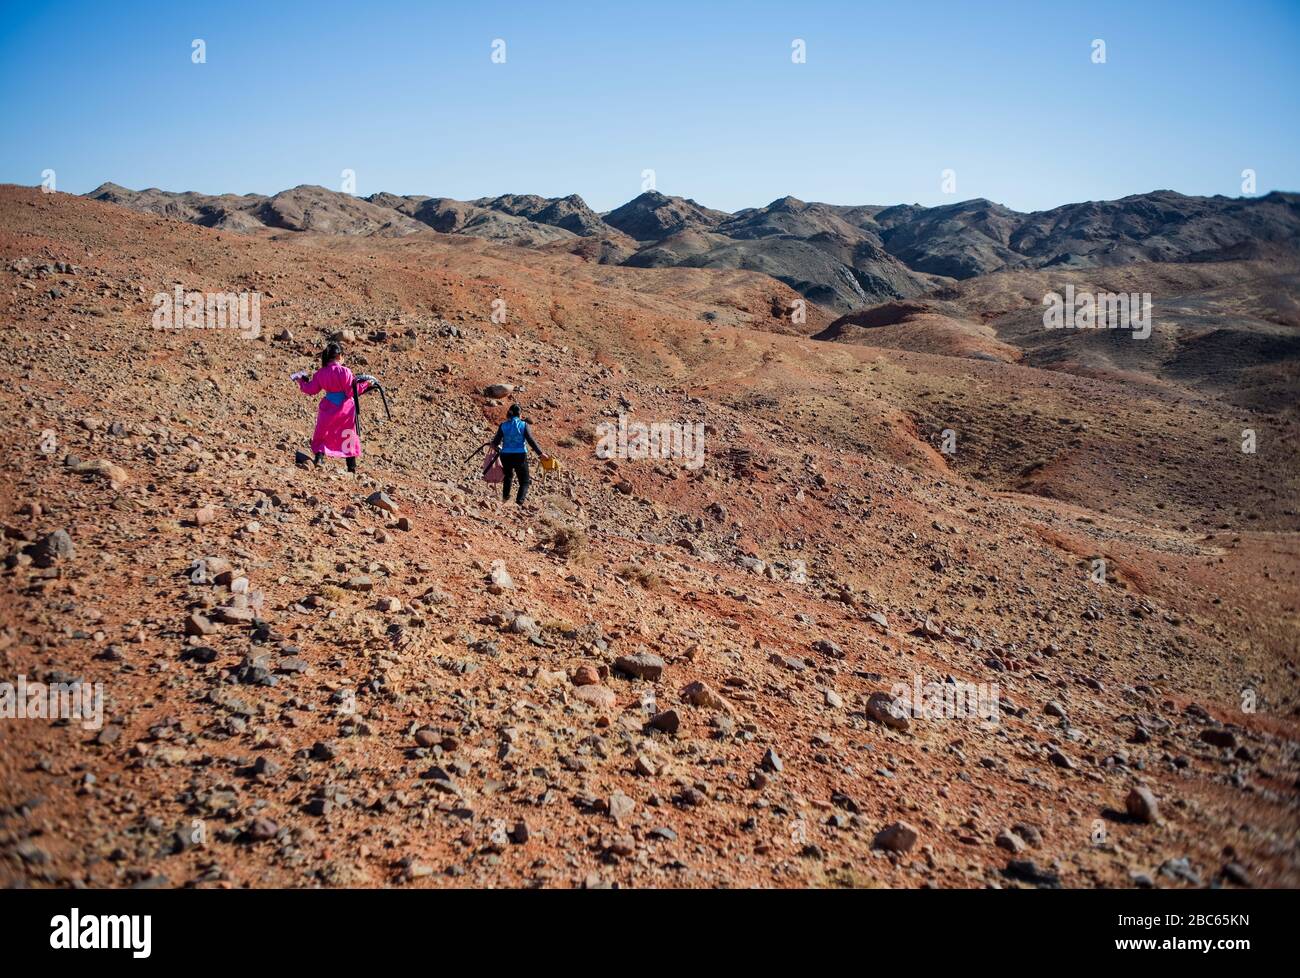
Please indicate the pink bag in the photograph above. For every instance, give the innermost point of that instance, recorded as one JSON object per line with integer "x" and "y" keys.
{"x": 492, "y": 470}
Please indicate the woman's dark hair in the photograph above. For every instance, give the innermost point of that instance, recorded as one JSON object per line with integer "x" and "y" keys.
{"x": 514, "y": 411}
{"x": 330, "y": 354}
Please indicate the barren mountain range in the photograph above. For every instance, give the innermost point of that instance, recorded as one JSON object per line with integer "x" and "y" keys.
{"x": 842, "y": 257}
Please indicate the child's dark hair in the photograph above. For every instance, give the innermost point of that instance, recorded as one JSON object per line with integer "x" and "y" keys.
{"x": 330, "y": 354}
{"x": 514, "y": 411}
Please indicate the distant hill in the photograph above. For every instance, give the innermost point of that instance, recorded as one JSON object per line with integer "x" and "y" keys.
{"x": 843, "y": 257}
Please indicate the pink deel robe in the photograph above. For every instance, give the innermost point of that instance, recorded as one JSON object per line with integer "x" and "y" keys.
{"x": 336, "y": 424}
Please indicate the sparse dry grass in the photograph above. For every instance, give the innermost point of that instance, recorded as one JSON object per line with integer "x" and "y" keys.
{"x": 569, "y": 543}
{"x": 643, "y": 576}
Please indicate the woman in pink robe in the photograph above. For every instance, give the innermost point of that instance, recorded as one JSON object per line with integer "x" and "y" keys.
{"x": 336, "y": 419}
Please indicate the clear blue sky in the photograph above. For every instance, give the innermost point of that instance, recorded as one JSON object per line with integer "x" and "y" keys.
{"x": 704, "y": 93}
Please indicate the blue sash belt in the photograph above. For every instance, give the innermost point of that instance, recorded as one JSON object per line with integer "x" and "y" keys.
{"x": 336, "y": 397}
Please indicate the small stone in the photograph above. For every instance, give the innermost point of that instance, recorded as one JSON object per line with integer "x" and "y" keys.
{"x": 115, "y": 475}
{"x": 772, "y": 762}
{"x": 499, "y": 578}
{"x": 585, "y": 675}
{"x": 896, "y": 837}
{"x": 703, "y": 695}
{"x": 1028, "y": 834}
{"x": 388, "y": 604}
{"x": 267, "y": 767}
{"x": 668, "y": 721}
{"x": 197, "y": 624}
{"x": 601, "y": 697}
{"x": 204, "y": 515}
{"x": 828, "y": 648}
{"x": 1061, "y": 760}
{"x": 1142, "y": 805}
{"x": 1009, "y": 841}
{"x": 381, "y": 500}
{"x": 323, "y": 751}
{"x": 643, "y": 666}
{"x": 53, "y": 548}
{"x": 29, "y": 852}
{"x": 620, "y": 806}
{"x": 1027, "y": 871}
{"x": 262, "y": 829}
{"x": 1216, "y": 737}
{"x": 234, "y": 615}
{"x": 883, "y": 708}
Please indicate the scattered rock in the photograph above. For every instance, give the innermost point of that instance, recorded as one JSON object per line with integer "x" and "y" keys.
{"x": 642, "y": 665}
{"x": 1059, "y": 759}
{"x": 1218, "y": 737}
{"x": 1008, "y": 840}
{"x": 53, "y": 548}
{"x": 620, "y": 806}
{"x": 703, "y": 695}
{"x": 896, "y": 837}
{"x": 668, "y": 721}
{"x": 262, "y": 829}
{"x": 381, "y": 500}
{"x": 1027, "y": 871}
{"x": 601, "y": 697}
{"x": 884, "y": 708}
{"x": 197, "y": 624}
{"x": 828, "y": 648}
{"x": 114, "y": 475}
{"x": 1141, "y": 805}
{"x": 499, "y": 579}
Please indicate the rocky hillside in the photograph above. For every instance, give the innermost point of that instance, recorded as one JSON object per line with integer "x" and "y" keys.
{"x": 653, "y": 675}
